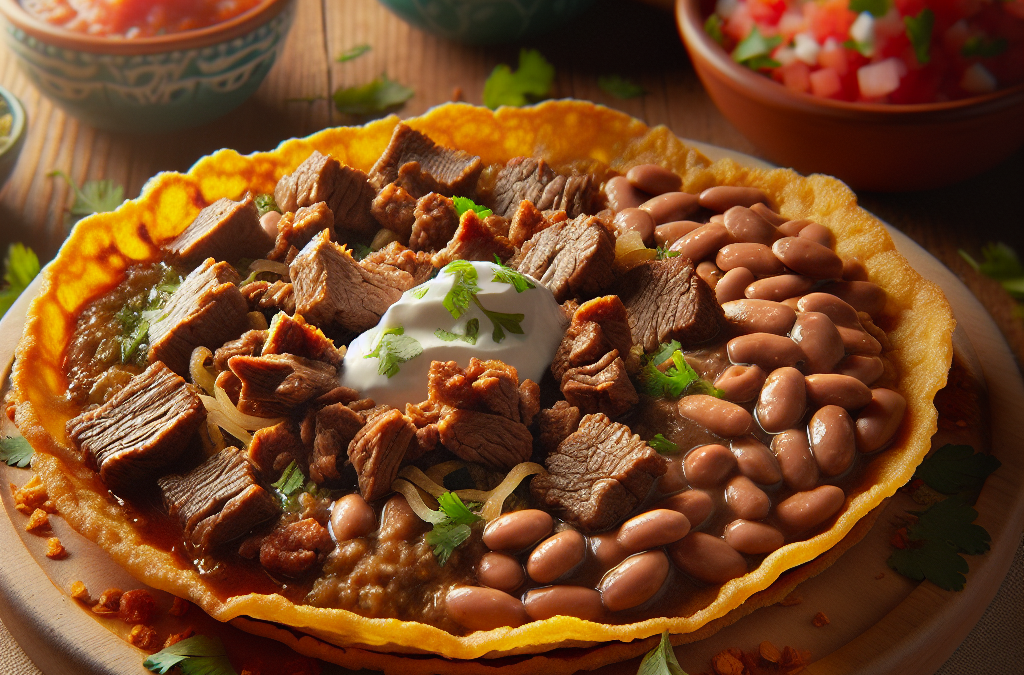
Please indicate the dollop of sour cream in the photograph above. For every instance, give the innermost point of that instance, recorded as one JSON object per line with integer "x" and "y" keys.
{"x": 420, "y": 320}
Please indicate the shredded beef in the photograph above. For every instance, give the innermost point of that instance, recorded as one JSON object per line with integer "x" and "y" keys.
{"x": 395, "y": 209}
{"x": 273, "y": 448}
{"x": 346, "y": 190}
{"x": 297, "y": 229}
{"x": 530, "y": 179}
{"x": 336, "y": 426}
{"x": 473, "y": 240}
{"x": 292, "y": 335}
{"x": 598, "y": 475}
{"x": 554, "y": 425}
{"x": 603, "y": 386}
{"x": 572, "y": 258}
{"x": 378, "y": 449}
{"x": 434, "y": 224}
{"x": 491, "y": 440}
{"x": 277, "y": 384}
{"x": 224, "y": 230}
{"x": 141, "y": 431}
{"x": 420, "y": 166}
{"x": 295, "y": 548}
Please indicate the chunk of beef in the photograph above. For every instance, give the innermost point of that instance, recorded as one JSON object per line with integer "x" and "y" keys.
{"x": 572, "y": 258}
{"x": 531, "y": 179}
{"x": 378, "y": 449}
{"x": 273, "y": 448}
{"x": 292, "y": 335}
{"x": 603, "y": 386}
{"x": 264, "y": 295}
{"x": 336, "y": 426}
{"x": 332, "y": 290}
{"x": 491, "y": 440}
{"x": 218, "y": 501}
{"x": 293, "y": 549}
{"x": 434, "y": 224}
{"x": 473, "y": 240}
{"x": 224, "y": 230}
{"x": 528, "y": 220}
{"x": 486, "y": 386}
{"x": 277, "y": 384}
{"x": 394, "y": 257}
{"x": 296, "y": 229}
{"x": 420, "y": 166}
{"x": 250, "y": 344}
{"x": 321, "y": 178}
{"x": 141, "y": 431}
{"x": 395, "y": 209}
{"x": 597, "y": 327}
{"x": 206, "y": 310}
{"x": 529, "y": 401}
{"x": 555, "y": 424}
{"x": 666, "y": 300}
{"x": 598, "y": 475}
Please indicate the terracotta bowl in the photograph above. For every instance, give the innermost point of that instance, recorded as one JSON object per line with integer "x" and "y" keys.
{"x": 870, "y": 146}
{"x": 149, "y": 84}
{"x": 11, "y": 143}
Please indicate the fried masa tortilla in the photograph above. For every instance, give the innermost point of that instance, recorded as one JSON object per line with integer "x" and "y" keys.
{"x": 103, "y": 246}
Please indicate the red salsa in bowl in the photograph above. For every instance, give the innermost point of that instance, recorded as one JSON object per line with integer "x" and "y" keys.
{"x": 135, "y": 18}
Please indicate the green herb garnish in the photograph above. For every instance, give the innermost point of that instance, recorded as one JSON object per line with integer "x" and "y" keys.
{"x": 463, "y": 204}
{"x": 865, "y": 48}
{"x": 515, "y": 278}
{"x": 502, "y": 322}
{"x": 662, "y": 253}
{"x": 754, "y": 50}
{"x": 1001, "y": 263}
{"x": 374, "y": 98}
{"x": 678, "y": 378}
{"x": 95, "y": 196}
{"x": 662, "y": 445}
{"x": 982, "y": 47}
{"x": 957, "y": 469}
{"x": 197, "y": 655}
{"x": 20, "y": 268}
{"x": 353, "y": 53}
{"x": 919, "y": 32}
{"x": 529, "y": 84}
{"x": 291, "y": 481}
{"x": 457, "y": 512}
{"x": 620, "y": 87}
{"x": 139, "y": 314}
{"x": 876, "y": 8}
{"x": 713, "y": 27}
{"x": 453, "y": 529}
{"x": 393, "y": 348}
{"x": 15, "y": 451}
{"x": 472, "y": 331}
{"x": 419, "y": 292}
{"x": 465, "y": 288}
{"x": 661, "y": 660}
{"x": 360, "y": 251}
{"x": 265, "y": 203}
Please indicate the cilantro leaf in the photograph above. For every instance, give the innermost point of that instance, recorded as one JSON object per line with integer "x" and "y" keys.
{"x": 456, "y": 301}
{"x": 353, "y": 53}
{"x": 982, "y": 47}
{"x": 954, "y": 469}
{"x": 501, "y": 322}
{"x": 360, "y": 251}
{"x": 197, "y": 655}
{"x": 95, "y": 196}
{"x": 265, "y": 203}
{"x": 661, "y": 660}
{"x": 445, "y": 538}
{"x": 393, "y": 348}
{"x": 375, "y": 97}
{"x": 291, "y": 481}
{"x": 419, "y": 292}
{"x": 15, "y": 451}
{"x": 662, "y": 253}
{"x": 936, "y": 561}
{"x": 530, "y": 83}
{"x": 665, "y": 351}
{"x": 470, "y": 336}
{"x": 713, "y": 27}
{"x": 463, "y": 204}
{"x": 753, "y": 46}
{"x": 1000, "y": 262}
{"x": 20, "y": 268}
{"x": 507, "y": 275}
{"x": 455, "y": 510}
{"x": 919, "y": 32}
{"x": 865, "y": 48}
{"x": 620, "y": 87}
{"x": 876, "y": 8}
{"x": 677, "y": 378}
{"x": 951, "y": 521}
{"x": 662, "y": 445}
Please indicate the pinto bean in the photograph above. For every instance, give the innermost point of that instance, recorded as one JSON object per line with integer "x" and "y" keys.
{"x": 518, "y": 529}
{"x": 741, "y": 383}
{"x": 771, "y": 216}
{"x": 867, "y": 369}
{"x": 622, "y": 194}
{"x": 805, "y": 510}
{"x": 732, "y": 284}
{"x": 820, "y": 341}
{"x": 818, "y": 233}
{"x": 671, "y": 206}
{"x": 702, "y": 242}
{"x": 809, "y": 258}
{"x": 757, "y": 258}
{"x": 793, "y": 451}
{"x": 753, "y": 538}
{"x": 779, "y": 287}
{"x": 841, "y": 312}
{"x": 654, "y": 179}
{"x": 500, "y": 571}
{"x": 721, "y": 198}
{"x": 721, "y": 418}
{"x": 756, "y": 461}
{"x": 760, "y": 315}
{"x": 783, "y": 400}
{"x": 746, "y": 225}
{"x": 352, "y": 517}
{"x": 398, "y": 522}
{"x": 479, "y": 608}
{"x": 696, "y": 505}
{"x": 707, "y": 558}
{"x": 878, "y": 422}
{"x": 865, "y": 296}
{"x": 767, "y": 350}
{"x": 841, "y": 390}
{"x": 746, "y": 500}
{"x": 791, "y": 228}
{"x": 854, "y": 270}
{"x": 269, "y": 221}
{"x": 607, "y": 549}
{"x": 652, "y": 529}
{"x": 634, "y": 581}
{"x": 717, "y": 218}
{"x": 832, "y": 441}
{"x": 709, "y": 272}
{"x": 859, "y": 341}
{"x": 669, "y": 233}
{"x": 578, "y": 601}
{"x": 634, "y": 220}
{"x": 556, "y": 555}
{"x": 708, "y": 465}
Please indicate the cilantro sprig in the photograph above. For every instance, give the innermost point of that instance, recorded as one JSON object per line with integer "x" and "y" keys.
{"x": 197, "y": 655}
{"x": 919, "y": 32}
{"x": 662, "y": 445}
{"x": 394, "y": 348}
{"x": 713, "y": 27}
{"x": 139, "y": 314}
{"x": 514, "y": 278}
{"x": 464, "y": 291}
{"x": 265, "y": 203}
{"x": 1000, "y": 262}
{"x": 20, "y": 268}
{"x": 353, "y": 53}
{"x": 661, "y": 660}
{"x": 15, "y": 451}
{"x": 454, "y": 528}
{"x": 678, "y": 378}
{"x": 373, "y": 98}
{"x": 957, "y": 470}
{"x": 530, "y": 83}
{"x": 95, "y": 196}
{"x": 470, "y": 336}
{"x": 292, "y": 483}
{"x": 463, "y": 204}
{"x": 620, "y": 87}
{"x": 754, "y": 51}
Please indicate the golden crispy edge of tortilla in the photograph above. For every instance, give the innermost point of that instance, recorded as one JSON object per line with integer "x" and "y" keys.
{"x": 102, "y": 246}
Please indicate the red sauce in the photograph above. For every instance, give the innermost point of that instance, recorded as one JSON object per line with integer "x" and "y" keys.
{"x": 135, "y": 18}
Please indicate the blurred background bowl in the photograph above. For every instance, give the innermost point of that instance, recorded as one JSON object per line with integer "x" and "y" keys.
{"x": 10, "y": 145}
{"x": 878, "y": 147}
{"x": 150, "y": 84}
{"x": 482, "y": 22}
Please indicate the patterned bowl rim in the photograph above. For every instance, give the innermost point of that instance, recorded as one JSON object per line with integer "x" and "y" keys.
{"x": 18, "y": 117}
{"x": 55, "y": 36}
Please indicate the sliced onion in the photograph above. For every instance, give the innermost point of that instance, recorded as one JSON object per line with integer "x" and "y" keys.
{"x": 197, "y": 369}
{"x": 421, "y": 480}
{"x": 250, "y": 422}
{"x": 257, "y": 321}
{"x": 497, "y": 497}
{"x": 221, "y": 420}
{"x": 438, "y": 472}
{"x": 415, "y": 500}
{"x": 258, "y": 266}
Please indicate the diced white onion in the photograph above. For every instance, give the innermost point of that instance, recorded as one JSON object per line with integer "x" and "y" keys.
{"x": 977, "y": 80}
{"x": 415, "y": 500}
{"x": 806, "y": 48}
{"x": 784, "y": 55}
{"x": 221, "y": 420}
{"x": 492, "y": 507}
{"x": 251, "y": 422}
{"x": 862, "y": 30}
{"x": 879, "y": 79}
{"x": 197, "y": 369}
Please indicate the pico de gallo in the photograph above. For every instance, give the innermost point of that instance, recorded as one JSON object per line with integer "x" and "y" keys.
{"x": 135, "y": 18}
{"x": 877, "y": 51}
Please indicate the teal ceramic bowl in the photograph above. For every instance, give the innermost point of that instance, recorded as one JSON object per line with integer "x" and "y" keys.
{"x": 152, "y": 84}
{"x": 11, "y": 142}
{"x": 482, "y": 22}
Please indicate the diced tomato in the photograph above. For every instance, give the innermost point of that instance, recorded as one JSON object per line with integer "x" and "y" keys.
{"x": 766, "y": 12}
{"x": 739, "y": 24}
{"x": 831, "y": 18}
{"x": 833, "y": 56}
{"x": 825, "y": 83}
{"x": 918, "y": 86}
{"x": 795, "y": 76}
{"x": 909, "y": 7}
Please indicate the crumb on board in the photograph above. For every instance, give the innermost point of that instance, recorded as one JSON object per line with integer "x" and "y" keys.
{"x": 769, "y": 652}
{"x": 790, "y": 600}
{"x": 143, "y": 637}
{"x": 39, "y": 520}
{"x": 820, "y": 619}
{"x": 55, "y": 550}
{"x": 32, "y": 496}
{"x": 880, "y": 575}
{"x": 175, "y": 638}
{"x": 766, "y": 659}
{"x": 178, "y": 607}
{"x": 79, "y": 591}
{"x": 457, "y": 95}
{"x": 109, "y": 602}
{"x": 136, "y": 606}
{"x": 727, "y": 663}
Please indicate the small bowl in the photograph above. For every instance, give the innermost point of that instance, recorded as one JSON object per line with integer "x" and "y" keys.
{"x": 880, "y": 147}
{"x": 10, "y": 147}
{"x": 483, "y": 22}
{"x": 150, "y": 84}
